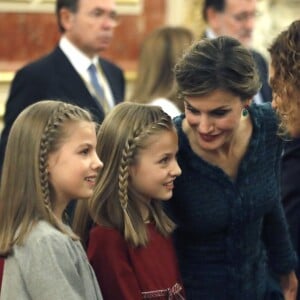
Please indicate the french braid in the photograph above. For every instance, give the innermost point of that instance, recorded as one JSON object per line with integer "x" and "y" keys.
{"x": 50, "y": 142}
{"x": 133, "y": 143}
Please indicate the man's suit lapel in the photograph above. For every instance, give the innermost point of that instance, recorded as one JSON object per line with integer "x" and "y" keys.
{"x": 73, "y": 85}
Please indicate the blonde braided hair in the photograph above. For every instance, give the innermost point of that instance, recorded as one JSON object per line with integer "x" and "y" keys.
{"x": 38, "y": 131}
{"x": 133, "y": 144}
{"x": 50, "y": 142}
{"x": 115, "y": 203}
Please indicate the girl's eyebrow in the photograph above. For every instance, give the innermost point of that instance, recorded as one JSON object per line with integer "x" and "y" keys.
{"x": 86, "y": 144}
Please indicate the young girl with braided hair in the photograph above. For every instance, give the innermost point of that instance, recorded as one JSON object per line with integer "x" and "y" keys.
{"x": 50, "y": 159}
{"x": 130, "y": 247}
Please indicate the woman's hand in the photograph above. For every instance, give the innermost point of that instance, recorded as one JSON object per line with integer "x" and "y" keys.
{"x": 289, "y": 285}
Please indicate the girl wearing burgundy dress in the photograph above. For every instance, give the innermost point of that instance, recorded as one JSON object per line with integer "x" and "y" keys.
{"x": 129, "y": 246}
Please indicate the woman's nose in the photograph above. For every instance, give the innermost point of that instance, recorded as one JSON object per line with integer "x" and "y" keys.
{"x": 205, "y": 125}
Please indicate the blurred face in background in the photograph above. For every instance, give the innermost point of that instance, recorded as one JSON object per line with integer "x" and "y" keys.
{"x": 91, "y": 27}
{"x": 237, "y": 20}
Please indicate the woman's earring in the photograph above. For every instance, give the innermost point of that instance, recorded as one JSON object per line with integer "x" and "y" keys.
{"x": 245, "y": 111}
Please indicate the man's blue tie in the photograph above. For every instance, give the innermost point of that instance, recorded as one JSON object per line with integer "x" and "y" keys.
{"x": 98, "y": 88}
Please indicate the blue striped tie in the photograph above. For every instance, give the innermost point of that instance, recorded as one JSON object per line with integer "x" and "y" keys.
{"x": 98, "y": 88}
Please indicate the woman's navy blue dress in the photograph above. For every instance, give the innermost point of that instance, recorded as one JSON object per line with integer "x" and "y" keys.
{"x": 231, "y": 234}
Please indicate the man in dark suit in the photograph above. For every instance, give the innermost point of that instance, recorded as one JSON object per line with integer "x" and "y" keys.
{"x": 87, "y": 28}
{"x": 236, "y": 18}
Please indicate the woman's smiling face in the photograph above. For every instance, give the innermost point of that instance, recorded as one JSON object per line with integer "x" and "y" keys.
{"x": 213, "y": 118}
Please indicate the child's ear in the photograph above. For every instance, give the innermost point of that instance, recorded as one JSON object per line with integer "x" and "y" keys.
{"x": 131, "y": 171}
{"x": 52, "y": 160}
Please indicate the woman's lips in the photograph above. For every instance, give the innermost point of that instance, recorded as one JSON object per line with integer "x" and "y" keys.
{"x": 208, "y": 137}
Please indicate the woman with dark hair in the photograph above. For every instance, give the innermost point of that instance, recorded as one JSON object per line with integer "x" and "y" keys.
{"x": 232, "y": 239}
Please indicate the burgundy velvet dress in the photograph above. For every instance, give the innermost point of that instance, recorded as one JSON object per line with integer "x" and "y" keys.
{"x": 127, "y": 273}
